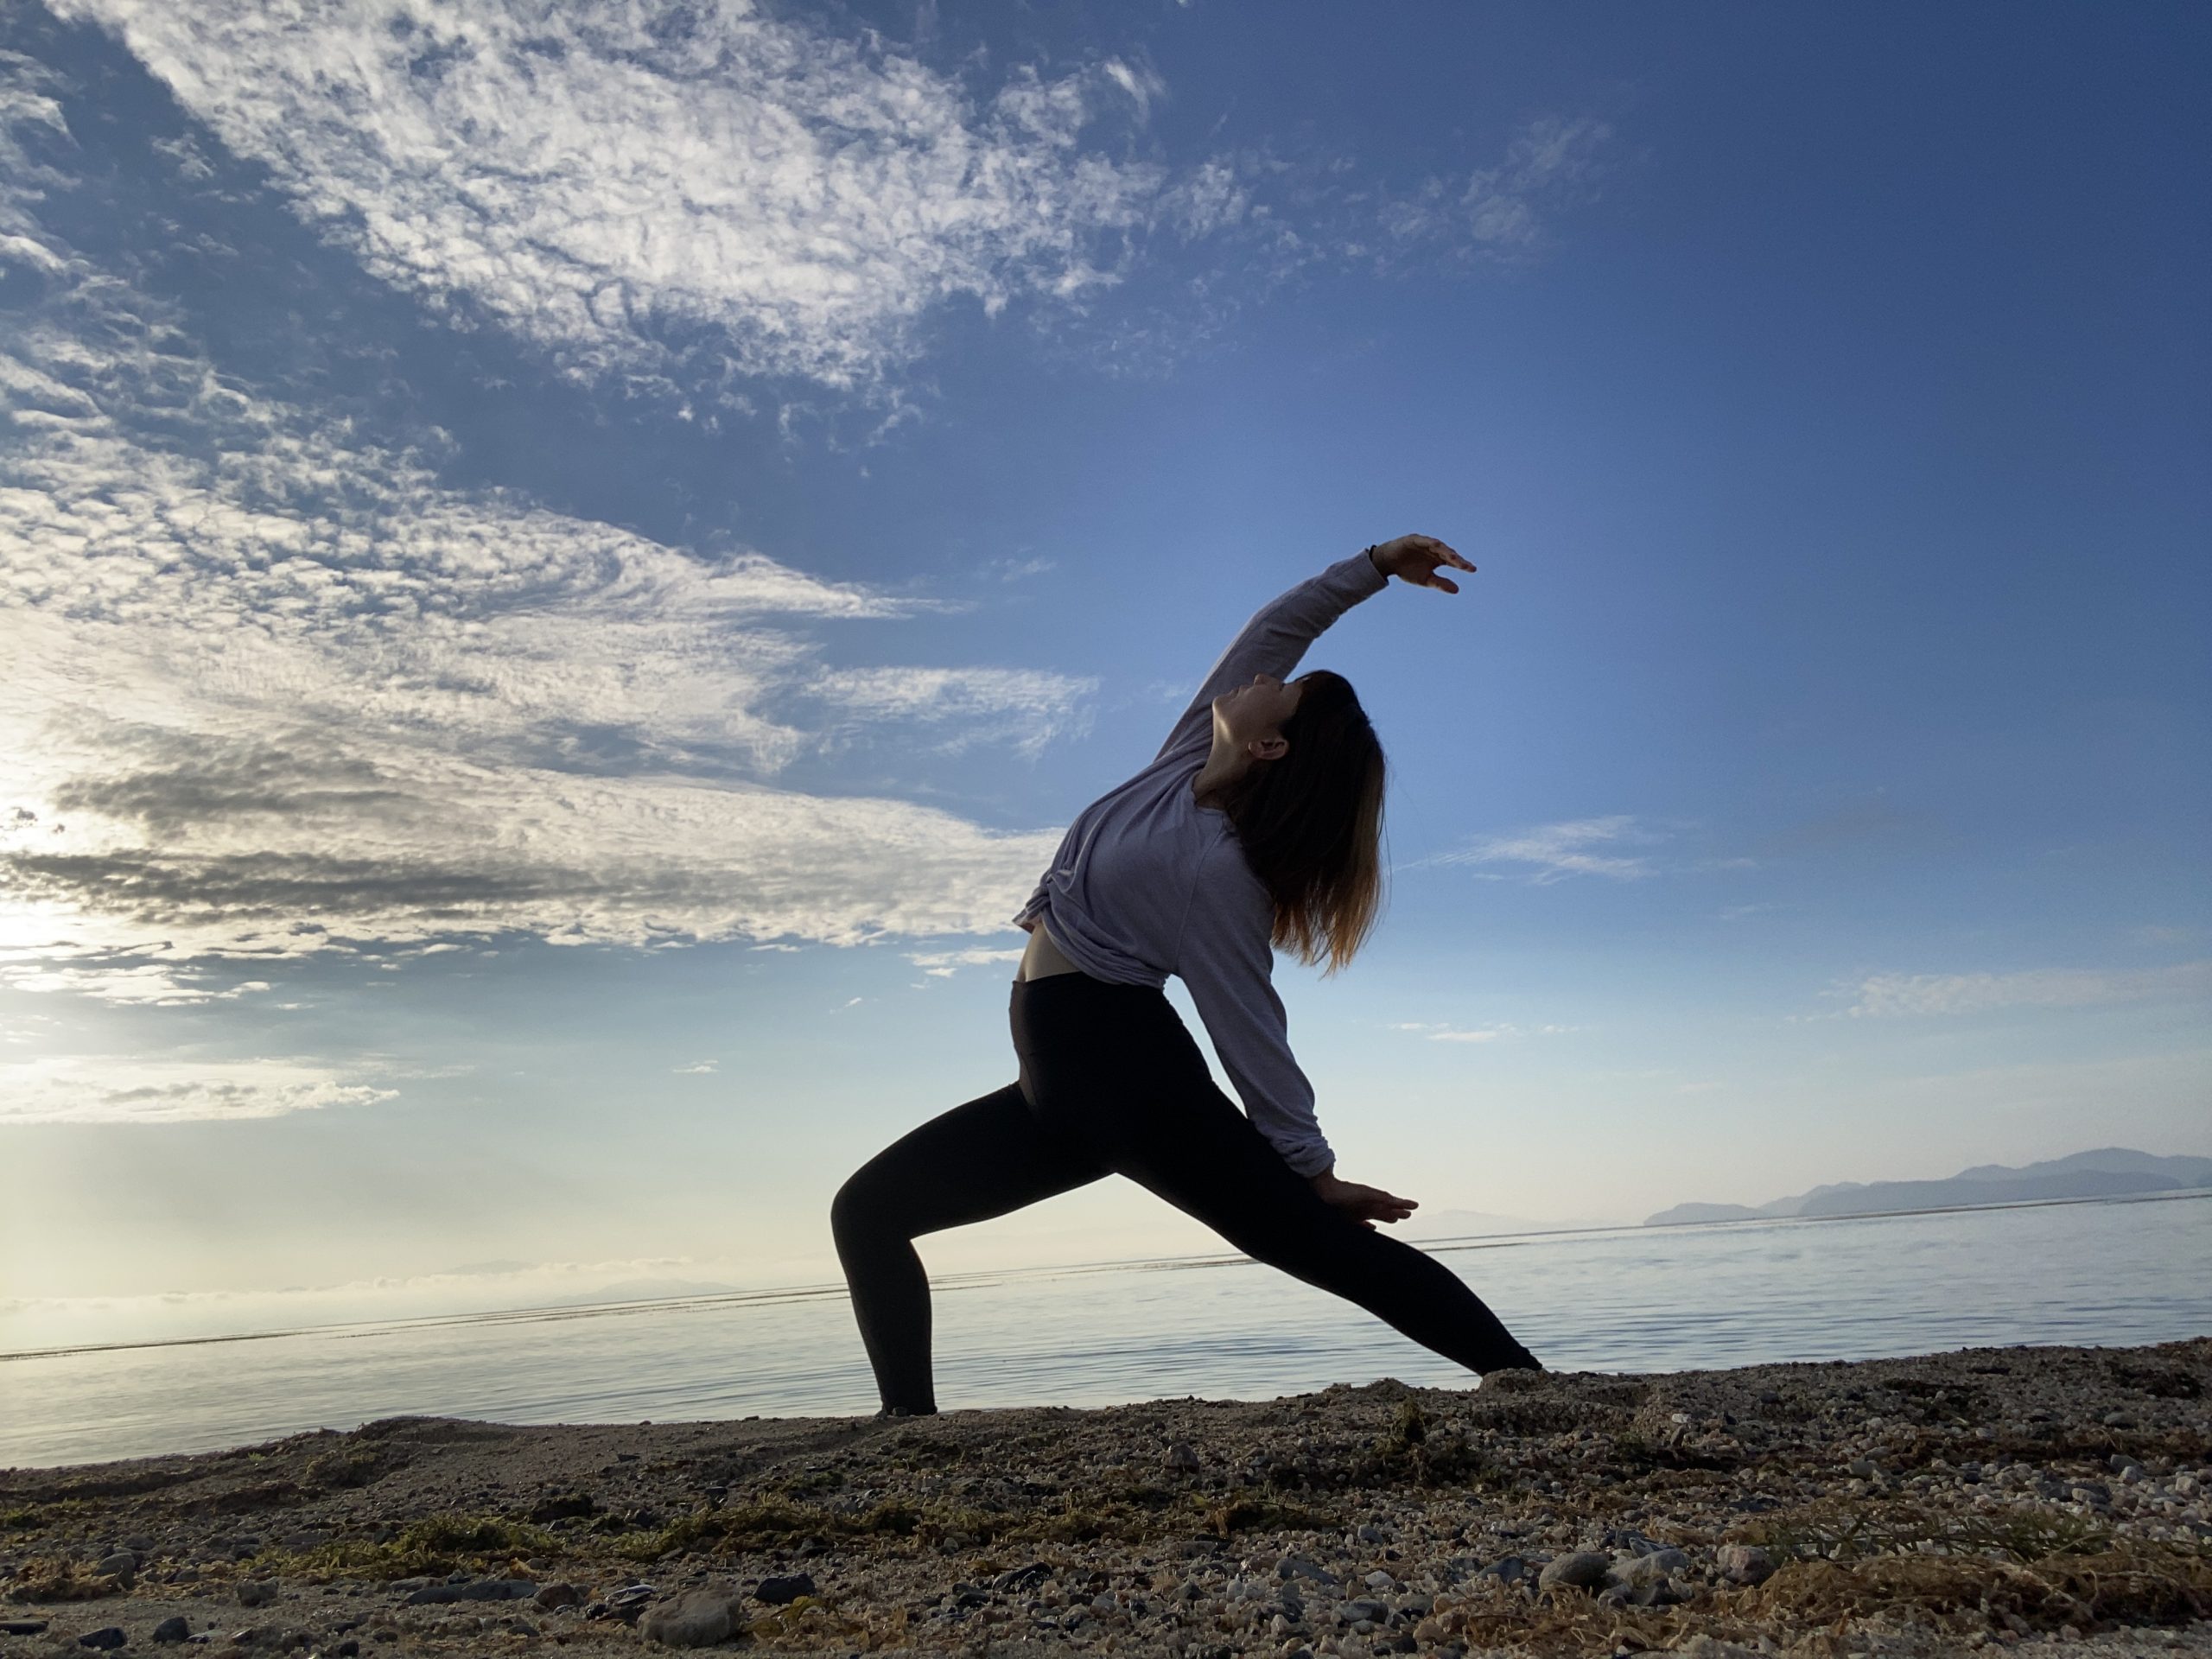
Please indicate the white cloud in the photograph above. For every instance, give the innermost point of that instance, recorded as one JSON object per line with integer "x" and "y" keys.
{"x": 674, "y": 194}
{"x": 1885, "y": 995}
{"x": 273, "y": 689}
{"x": 604, "y": 181}
{"x": 152, "y": 983}
{"x": 1439, "y": 1032}
{"x": 1501, "y": 212}
{"x": 863, "y": 699}
{"x": 698, "y": 1069}
{"x": 943, "y": 964}
{"x": 105, "y": 1088}
{"x": 1551, "y": 852}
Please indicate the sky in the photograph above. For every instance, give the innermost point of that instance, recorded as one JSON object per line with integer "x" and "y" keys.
{"x": 563, "y": 570}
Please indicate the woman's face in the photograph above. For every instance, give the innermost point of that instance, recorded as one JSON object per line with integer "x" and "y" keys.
{"x": 1256, "y": 710}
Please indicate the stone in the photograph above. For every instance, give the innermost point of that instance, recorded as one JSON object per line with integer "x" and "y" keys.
{"x": 122, "y": 1565}
{"x": 172, "y": 1629}
{"x": 22, "y": 1627}
{"x": 1744, "y": 1564}
{"x": 625, "y": 1604}
{"x": 1649, "y": 1571}
{"x": 699, "y": 1620}
{"x": 475, "y": 1590}
{"x": 256, "y": 1592}
{"x": 1701, "y": 1646}
{"x": 109, "y": 1636}
{"x": 552, "y": 1596}
{"x": 566, "y": 1506}
{"x": 779, "y": 1591}
{"x": 1582, "y": 1569}
{"x": 1299, "y": 1567}
{"x": 1507, "y": 1569}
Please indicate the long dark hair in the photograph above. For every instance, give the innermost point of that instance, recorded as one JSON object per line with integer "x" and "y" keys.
{"x": 1311, "y": 823}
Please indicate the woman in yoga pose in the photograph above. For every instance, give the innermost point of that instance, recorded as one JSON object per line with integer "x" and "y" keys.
{"x": 1257, "y": 824}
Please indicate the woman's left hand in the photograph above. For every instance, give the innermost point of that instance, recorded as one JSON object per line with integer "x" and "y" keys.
{"x": 1414, "y": 559}
{"x": 1364, "y": 1204}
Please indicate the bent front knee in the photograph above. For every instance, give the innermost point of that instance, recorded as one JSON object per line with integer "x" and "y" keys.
{"x": 861, "y": 1208}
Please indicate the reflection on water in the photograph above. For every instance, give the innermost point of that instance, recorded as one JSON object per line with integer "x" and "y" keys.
{"x": 2111, "y": 1273}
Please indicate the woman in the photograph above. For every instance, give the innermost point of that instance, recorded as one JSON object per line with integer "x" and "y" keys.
{"x": 1257, "y": 824}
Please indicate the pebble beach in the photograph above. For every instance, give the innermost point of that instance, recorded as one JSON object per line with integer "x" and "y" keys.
{"x": 1953, "y": 1502}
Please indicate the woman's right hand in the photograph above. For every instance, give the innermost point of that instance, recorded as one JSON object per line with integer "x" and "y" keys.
{"x": 1414, "y": 559}
{"x": 1364, "y": 1204}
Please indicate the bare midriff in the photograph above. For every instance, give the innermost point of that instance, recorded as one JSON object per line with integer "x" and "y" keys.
{"x": 1043, "y": 957}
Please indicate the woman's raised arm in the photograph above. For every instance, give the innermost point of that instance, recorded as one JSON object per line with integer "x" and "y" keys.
{"x": 1276, "y": 637}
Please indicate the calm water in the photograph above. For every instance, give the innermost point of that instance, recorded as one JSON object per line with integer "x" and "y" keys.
{"x": 1631, "y": 1299}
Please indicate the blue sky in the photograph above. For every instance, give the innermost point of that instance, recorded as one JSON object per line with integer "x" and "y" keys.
{"x": 563, "y": 575}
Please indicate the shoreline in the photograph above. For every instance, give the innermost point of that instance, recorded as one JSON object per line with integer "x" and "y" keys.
{"x": 1932, "y": 1504}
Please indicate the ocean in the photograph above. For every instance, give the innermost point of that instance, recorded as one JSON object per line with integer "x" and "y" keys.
{"x": 2109, "y": 1272}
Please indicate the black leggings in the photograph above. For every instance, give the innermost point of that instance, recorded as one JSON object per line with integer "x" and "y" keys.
{"x": 1111, "y": 1081}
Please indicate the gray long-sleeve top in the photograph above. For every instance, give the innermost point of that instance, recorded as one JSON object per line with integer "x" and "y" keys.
{"x": 1148, "y": 883}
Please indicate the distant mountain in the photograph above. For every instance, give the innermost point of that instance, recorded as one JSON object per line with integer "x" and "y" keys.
{"x": 2109, "y": 1171}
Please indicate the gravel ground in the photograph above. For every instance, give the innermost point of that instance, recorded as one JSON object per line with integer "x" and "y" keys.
{"x": 1983, "y": 1499}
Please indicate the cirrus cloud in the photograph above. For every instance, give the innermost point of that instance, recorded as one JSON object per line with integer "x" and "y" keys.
{"x": 275, "y": 689}
{"x": 112, "y": 1089}
{"x": 604, "y": 180}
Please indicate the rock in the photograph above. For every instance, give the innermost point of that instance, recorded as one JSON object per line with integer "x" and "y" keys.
{"x": 110, "y": 1636}
{"x": 122, "y": 1565}
{"x": 1378, "y": 1579}
{"x": 1701, "y": 1646}
{"x": 564, "y": 1507}
{"x": 1744, "y": 1564}
{"x": 1507, "y": 1569}
{"x": 1297, "y": 1566}
{"x": 625, "y": 1604}
{"x": 172, "y": 1629}
{"x": 791, "y": 1586}
{"x": 22, "y": 1627}
{"x": 553, "y": 1596}
{"x": 1372, "y": 1534}
{"x": 256, "y": 1592}
{"x": 1583, "y": 1569}
{"x": 475, "y": 1590}
{"x": 1649, "y": 1571}
{"x": 701, "y": 1619}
